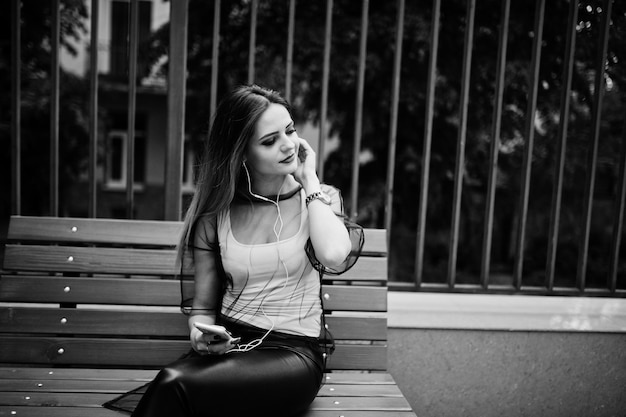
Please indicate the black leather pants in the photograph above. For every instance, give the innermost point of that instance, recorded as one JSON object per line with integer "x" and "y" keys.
{"x": 279, "y": 378}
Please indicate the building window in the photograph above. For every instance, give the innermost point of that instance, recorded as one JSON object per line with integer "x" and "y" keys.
{"x": 117, "y": 160}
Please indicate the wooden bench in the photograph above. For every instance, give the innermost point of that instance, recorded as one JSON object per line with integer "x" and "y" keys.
{"x": 89, "y": 310}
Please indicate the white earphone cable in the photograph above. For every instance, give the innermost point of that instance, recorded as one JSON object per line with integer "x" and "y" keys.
{"x": 246, "y": 347}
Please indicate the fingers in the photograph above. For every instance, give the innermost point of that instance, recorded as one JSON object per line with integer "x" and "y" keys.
{"x": 207, "y": 347}
{"x": 303, "y": 143}
{"x": 212, "y": 349}
{"x": 200, "y": 343}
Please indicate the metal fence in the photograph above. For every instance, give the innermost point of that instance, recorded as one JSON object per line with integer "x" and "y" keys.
{"x": 179, "y": 16}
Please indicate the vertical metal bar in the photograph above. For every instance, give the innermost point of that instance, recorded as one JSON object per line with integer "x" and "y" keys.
{"x": 132, "y": 106}
{"x": 495, "y": 143}
{"x": 290, "y": 36}
{"x": 557, "y": 189}
{"x": 54, "y": 107}
{"x": 93, "y": 108}
{"x": 533, "y": 87}
{"x": 462, "y": 135}
{"x": 393, "y": 122}
{"x": 618, "y": 222}
{"x": 254, "y": 8}
{"x": 325, "y": 76}
{"x": 16, "y": 110}
{"x": 215, "y": 47}
{"x": 428, "y": 138}
{"x": 176, "y": 88}
{"x": 592, "y": 161}
{"x": 358, "y": 118}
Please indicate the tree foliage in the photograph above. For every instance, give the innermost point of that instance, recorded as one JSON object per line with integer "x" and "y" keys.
{"x": 36, "y": 91}
{"x": 307, "y": 77}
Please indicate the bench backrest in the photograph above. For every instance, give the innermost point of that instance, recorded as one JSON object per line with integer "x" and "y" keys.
{"x": 104, "y": 293}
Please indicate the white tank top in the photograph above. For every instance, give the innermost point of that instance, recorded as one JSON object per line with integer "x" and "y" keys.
{"x": 274, "y": 284}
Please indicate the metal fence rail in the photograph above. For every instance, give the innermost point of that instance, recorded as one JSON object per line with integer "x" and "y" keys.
{"x": 179, "y": 17}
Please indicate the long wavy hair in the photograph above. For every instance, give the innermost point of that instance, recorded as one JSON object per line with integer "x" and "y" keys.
{"x": 220, "y": 169}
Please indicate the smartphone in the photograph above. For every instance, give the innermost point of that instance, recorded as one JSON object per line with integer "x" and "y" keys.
{"x": 218, "y": 333}
{"x": 301, "y": 153}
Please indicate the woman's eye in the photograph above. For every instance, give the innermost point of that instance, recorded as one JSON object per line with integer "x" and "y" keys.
{"x": 291, "y": 131}
{"x": 269, "y": 141}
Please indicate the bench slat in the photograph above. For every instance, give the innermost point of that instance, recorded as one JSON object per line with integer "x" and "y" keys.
{"x": 146, "y": 353}
{"x": 359, "y": 390}
{"x": 56, "y": 411}
{"x": 358, "y": 357}
{"x": 340, "y": 377}
{"x": 30, "y": 387}
{"x": 131, "y": 261}
{"x": 55, "y": 289}
{"x": 145, "y": 232}
{"x": 59, "y": 229}
{"x": 96, "y": 399}
{"x": 28, "y": 411}
{"x": 75, "y": 375}
{"x": 57, "y": 399}
{"x": 140, "y": 323}
{"x": 83, "y": 321}
{"x": 154, "y": 292}
{"x": 92, "y": 402}
{"x": 90, "y": 260}
{"x": 45, "y": 411}
{"x": 359, "y": 413}
{"x": 361, "y": 403}
{"x": 78, "y": 374}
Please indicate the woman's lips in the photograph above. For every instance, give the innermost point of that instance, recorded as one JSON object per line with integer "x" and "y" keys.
{"x": 289, "y": 159}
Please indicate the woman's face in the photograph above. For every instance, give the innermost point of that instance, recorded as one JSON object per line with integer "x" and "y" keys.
{"x": 273, "y": 149}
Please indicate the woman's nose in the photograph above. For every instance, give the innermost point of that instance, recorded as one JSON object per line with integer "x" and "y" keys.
{"x": 288, "y": 144}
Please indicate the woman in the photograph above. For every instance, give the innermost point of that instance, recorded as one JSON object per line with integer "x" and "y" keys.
{"x": 258, "y": 205}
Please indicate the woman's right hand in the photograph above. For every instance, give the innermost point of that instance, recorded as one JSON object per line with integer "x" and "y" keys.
{"x": 204, "y": 345}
